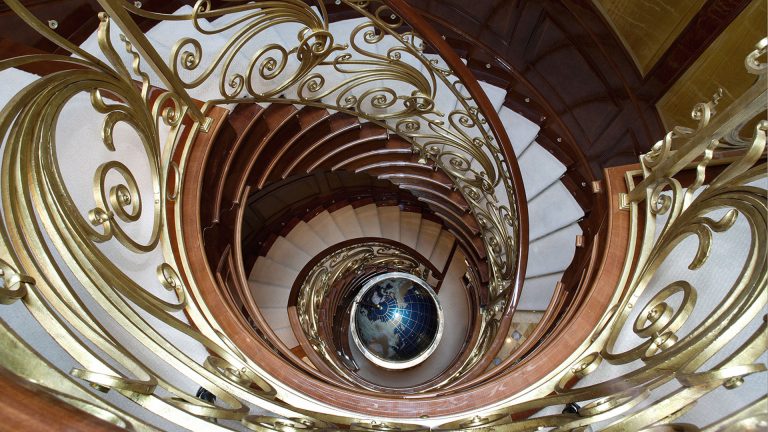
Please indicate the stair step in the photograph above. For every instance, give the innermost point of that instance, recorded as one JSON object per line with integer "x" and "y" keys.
{"x": 539, "y": 169}
{"x": 276, "y": 317}
{"x": 442, "y": 249}
{"x": 269, "y": 296}
{"x": 428, "y": 235}
{"x": 389, "y": 220}
{"x": 286, "y": 335}
{"x": 520, "y": 130}
{"x": 551, "y": 210}
{"x": 537, "y": 292}
{"x": 286, "y": 253}
{"x": 305, "y": 238}
{"x": 368, "y": 217}
{"x": 552, "y": 253}
{"x": 495, "y": 94}
{"x": 324, "y": 226}
{"x": 270, "y": 272}
{"x": 409, "y": 228}
{"x": 346, "y": 220}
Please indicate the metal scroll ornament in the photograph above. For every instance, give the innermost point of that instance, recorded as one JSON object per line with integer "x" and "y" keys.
{"x": 141, "y": 331}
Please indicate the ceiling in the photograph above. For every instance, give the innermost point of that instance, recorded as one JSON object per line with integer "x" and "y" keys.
{"x": 650, "y": 29}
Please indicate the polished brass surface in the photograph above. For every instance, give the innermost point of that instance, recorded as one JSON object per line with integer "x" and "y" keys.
{"x": 123, "y": 337}
{"x": 387, "y": 89}
{"x": 714, "y": 68}
{"x": 648, "y": 27}
{"x": 328, "y": 273}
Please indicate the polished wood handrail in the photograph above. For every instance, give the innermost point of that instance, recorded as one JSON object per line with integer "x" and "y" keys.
{"x": 351, "y": 242}
{"x": 568, "y": 322}
{"x": 434, "y": 39}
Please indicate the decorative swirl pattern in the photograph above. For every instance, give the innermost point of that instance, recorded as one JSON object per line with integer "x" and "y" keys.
{"x": 456, "y": 142}
{"x": 328, "y": 273}
{"x": 53, "y": 257}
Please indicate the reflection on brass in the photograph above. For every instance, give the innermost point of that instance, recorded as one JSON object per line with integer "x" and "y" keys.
{"x": 717, "y": 66}
{"x": 648, "y": 27}
{"x": 52, "y": 266}
{"x": 327, "y": 274}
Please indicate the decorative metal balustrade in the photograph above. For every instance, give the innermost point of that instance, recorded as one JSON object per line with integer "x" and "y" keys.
{"x": 329, "y": 277}
{"x": 82, "y": 310}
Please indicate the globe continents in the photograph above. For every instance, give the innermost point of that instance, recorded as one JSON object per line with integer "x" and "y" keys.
{"x": 397, "y": 320}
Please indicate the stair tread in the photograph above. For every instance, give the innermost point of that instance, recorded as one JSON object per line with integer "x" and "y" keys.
{"x": 268, "y": 271}
{"x": 520, "y": 130}
{"x": 277, "y": 298}
{"x": 552, "y": 209}
{"x": 324, "y": 226}
{"x": 287, "y": 337}
{"x": 286, "y": 253}
{"x": 539, "y": 169}
{"x": 409, "y": 228}
{"x": 389, "y": 220}
{"x": 429, "y": 232}
{"x": 368, "y": 217}
{"x": 346, "y": 220}
{"x": 276, "y": 317}
{"x": 442, "y": 249}
{"x": 305, "y": 238}
{"x": 537, "y": 292}
{"x": 552, "y": 253}
{"x": 495, "y": 94}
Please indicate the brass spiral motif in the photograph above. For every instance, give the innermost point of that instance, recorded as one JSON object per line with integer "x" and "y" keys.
{"x": 120, "y": 335}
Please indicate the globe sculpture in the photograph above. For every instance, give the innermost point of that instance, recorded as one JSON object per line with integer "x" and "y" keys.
{"x": 396, "y": 320}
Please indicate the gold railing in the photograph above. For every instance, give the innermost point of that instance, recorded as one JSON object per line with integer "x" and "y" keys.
{"x": 328, "y": 273}
{"x": 72, "y": 261}
{"x": 398, "y": 90}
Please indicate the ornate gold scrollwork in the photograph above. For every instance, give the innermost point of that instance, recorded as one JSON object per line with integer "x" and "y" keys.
{"x": 53, "y": 255}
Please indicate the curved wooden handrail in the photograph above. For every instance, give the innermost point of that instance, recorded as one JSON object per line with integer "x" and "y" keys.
{"x": 351, "y": 242}
{"x": 451, "y": 401}
{"x": 467, "y": 78}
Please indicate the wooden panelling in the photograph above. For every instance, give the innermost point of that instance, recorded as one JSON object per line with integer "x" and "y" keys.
{"x": 648, "y": 27}
{"x": 721, "y": 65}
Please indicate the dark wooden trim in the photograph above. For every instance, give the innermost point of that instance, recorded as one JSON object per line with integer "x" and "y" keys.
{"x": 708, "y": 23}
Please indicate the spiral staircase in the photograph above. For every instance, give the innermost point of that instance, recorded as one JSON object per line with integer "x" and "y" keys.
{"x": 185, "y": 259}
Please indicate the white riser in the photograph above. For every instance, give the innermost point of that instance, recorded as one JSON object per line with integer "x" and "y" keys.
{"x": 409, "y": 228}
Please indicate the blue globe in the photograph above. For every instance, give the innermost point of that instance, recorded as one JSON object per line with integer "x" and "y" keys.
{"x": 397, "y": 318}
